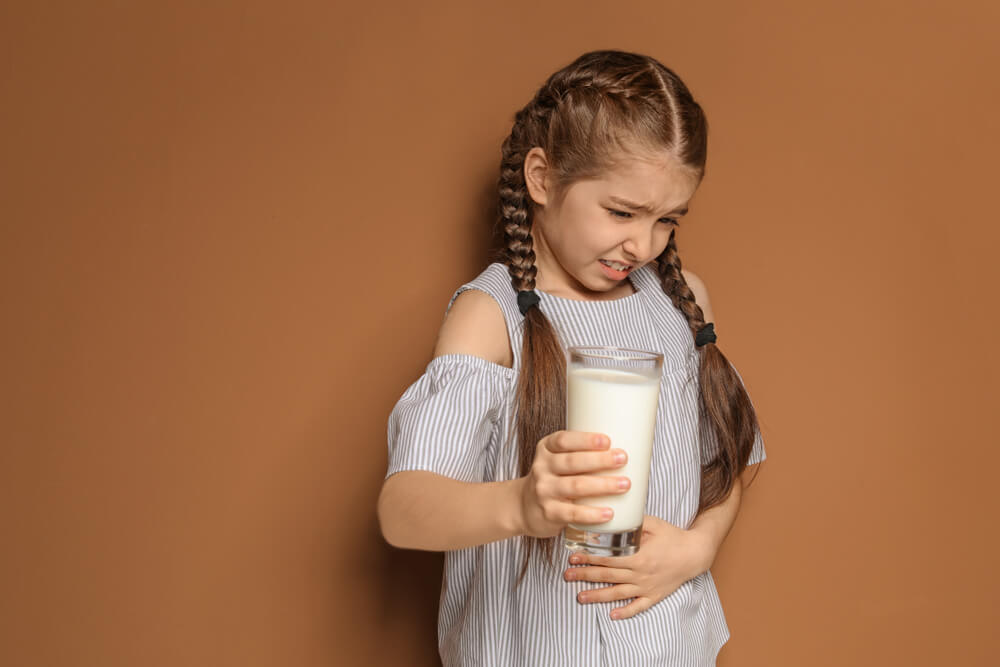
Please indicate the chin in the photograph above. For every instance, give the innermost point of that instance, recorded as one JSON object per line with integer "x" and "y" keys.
{"x": 604, "y": 285}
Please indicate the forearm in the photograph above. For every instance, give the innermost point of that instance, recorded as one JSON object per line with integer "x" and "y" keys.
{"x": 418, "y": 509}
{"x": 713, "y": 525}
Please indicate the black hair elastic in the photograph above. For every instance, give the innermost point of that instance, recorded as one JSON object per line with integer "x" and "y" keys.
{"x": 706, "y": 334}
{"x": 526, "y": 300}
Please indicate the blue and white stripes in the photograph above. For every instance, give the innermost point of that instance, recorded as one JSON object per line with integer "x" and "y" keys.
{"x": 456, "y": 420}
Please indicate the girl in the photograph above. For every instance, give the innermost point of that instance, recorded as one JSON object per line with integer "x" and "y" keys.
{"x": 597, "y": 172}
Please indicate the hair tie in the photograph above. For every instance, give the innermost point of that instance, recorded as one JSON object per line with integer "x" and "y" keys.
{"x": 526, "y": 300}
{"x": 706, "y": 334}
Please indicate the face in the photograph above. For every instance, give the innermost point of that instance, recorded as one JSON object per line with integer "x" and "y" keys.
{"x": 587, "y": 242}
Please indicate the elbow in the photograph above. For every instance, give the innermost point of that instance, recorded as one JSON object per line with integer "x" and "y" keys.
{"x": 388, "y": 521}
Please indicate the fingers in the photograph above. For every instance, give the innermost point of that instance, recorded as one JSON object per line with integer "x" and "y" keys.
{"x": 562, "y": 512}
{"x": 599, "y": 574}
{"x": 558, "y": 477}
{"x": 556, "y": 494}
{"x": 572, "y": 463}
{"x": 608, "y": 594}
{"x": 613, "y": 593}
{"x": 582, "y": 486}
{"x": 623, "y": 562}
{"x": 631, "y": 609}
{"x": 616, "y": 593}
{"x": 575, "y": 452}
{"x": 575, "y": 441}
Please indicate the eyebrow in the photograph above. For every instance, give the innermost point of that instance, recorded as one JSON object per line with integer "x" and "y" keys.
{"x": 643, "y": 207}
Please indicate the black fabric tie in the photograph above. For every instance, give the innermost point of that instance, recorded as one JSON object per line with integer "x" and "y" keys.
{"x": 706, "y": 334}
{"x": 526, "y": 300}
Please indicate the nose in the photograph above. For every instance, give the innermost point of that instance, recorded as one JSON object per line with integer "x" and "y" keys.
{"x": 638, "y": 244}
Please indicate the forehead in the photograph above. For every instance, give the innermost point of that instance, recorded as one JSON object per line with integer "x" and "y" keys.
{"x": 649, "y": 179}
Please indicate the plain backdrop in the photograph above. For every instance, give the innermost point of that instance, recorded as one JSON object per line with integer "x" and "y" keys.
{"x": 228, "y": 233}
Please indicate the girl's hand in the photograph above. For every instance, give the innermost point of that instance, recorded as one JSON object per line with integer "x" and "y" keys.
{"x": 558, "y": 476}
{"x": 667, "y": 557}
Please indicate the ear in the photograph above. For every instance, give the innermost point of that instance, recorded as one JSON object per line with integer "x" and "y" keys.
{"x": 536, "y": 169}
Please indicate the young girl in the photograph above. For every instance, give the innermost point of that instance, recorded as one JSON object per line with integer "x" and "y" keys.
{"x": 597, "y": 172}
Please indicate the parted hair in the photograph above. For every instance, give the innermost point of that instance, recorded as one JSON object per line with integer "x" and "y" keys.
{"x": 585, "y": 117}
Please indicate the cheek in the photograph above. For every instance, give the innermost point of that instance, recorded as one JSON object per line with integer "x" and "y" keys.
{"x": 605, "y": 236}
{"x": 661, "y": 242}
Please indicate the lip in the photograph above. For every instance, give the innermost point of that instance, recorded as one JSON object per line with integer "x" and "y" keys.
{"x": 615, "y": 275}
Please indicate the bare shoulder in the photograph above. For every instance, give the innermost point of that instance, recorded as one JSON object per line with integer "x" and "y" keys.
{"x": 697, "y": 286}
{"x": 475, "y": 325}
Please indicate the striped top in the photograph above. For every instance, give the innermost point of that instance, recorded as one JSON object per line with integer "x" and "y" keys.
{"x": 456, "y": 419}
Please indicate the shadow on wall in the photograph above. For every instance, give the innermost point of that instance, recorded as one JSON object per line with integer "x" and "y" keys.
{"x": 407, "y": 583}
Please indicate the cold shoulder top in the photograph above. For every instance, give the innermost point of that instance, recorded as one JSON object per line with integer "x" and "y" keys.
{"x": 456, "y": 420}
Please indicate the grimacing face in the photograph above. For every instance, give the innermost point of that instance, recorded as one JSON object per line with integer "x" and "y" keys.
{"x": 602, "y": 229}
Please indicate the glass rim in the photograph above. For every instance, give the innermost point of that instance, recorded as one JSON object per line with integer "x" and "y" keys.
{"x": 614, "y": 353}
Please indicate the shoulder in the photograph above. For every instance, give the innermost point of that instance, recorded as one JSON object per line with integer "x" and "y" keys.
{"x": 697, "y": 286}
{"x": 475, "y": 325}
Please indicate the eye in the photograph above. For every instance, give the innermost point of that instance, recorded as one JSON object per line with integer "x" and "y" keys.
{"x": 625, "y": 215}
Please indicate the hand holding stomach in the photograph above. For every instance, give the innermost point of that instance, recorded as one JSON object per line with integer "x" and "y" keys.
{"x": 559, "y": 475}
{"x": 670, "y": 556}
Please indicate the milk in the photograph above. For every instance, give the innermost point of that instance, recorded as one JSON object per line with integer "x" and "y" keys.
{"x": 622, "y": 405}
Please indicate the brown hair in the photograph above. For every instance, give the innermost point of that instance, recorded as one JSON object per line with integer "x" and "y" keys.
{"x": 584, "y": 117}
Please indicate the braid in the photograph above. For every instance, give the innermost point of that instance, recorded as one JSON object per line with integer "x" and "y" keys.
{"x": 675, "y": 287}
{"x": 515, "y": 214}
{"x": 723, "y": 400}
{"x": 541, "y": 384}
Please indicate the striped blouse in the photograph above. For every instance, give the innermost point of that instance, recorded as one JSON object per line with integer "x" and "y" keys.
{"x": 455, "y": 420}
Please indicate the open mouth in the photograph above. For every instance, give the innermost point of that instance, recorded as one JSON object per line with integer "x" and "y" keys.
{"x": 617, "y": 266}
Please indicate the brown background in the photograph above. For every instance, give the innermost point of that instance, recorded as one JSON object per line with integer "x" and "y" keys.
{"x": 229, "y": 233}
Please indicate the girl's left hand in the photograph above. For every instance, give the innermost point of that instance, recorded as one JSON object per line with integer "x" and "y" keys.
{"x": 667, "y": 557}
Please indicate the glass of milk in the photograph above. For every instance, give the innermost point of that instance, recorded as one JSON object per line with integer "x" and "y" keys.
{"x": 614, "y": 391}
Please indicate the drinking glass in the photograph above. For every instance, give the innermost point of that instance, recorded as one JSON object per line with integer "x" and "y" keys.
{"x": 614, "y": 391}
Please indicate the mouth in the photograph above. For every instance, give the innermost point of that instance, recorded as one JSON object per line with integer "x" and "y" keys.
{"x": 615, "y": 270}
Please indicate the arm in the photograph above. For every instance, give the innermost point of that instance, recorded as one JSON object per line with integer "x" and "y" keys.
{"x": 712, "y": 526}
{"x": 420, "y": 509}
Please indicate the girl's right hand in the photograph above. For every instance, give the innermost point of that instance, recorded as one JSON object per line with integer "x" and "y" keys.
{"x": 558, "y": 476}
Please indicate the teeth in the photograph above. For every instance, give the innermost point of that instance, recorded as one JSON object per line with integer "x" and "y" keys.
{"x": 615, "y": 265}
